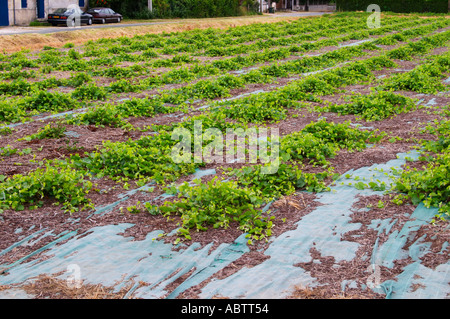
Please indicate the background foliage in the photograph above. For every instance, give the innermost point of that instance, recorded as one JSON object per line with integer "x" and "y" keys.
{"x": 173, "y": 8}
{"x": 400, "y": 6}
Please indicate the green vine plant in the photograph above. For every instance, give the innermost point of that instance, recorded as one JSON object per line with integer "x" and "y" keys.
{"x": 373, "y": 107}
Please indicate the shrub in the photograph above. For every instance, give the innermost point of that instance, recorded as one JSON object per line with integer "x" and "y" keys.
{"x": 429, "y": 185}
{"x": 105, "y": 115}
{"x": 44, "y": 101}
{"x": 11, "y": 111}
{"x": 49, "y": 131}
{"x": 89, "y": 92}
{"x": 375, "y": 106}
{"x": 67, "y": 186}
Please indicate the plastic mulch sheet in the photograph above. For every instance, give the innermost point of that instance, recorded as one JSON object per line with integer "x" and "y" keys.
{"x": 323, "y": 229}
{"x": 238, "y": 72}
{"x": 104, "y": 256}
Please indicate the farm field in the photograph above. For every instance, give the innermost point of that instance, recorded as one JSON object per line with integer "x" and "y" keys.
{"x": 339, "y": 189}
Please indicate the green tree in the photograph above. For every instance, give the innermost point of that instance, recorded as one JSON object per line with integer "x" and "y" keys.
{"x": 171, "y": 8}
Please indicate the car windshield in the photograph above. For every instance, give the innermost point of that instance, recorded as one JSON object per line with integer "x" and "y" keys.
{"x": 61, "y": 10}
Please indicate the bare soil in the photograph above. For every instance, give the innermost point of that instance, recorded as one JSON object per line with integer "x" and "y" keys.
{"x": 328, "y": 272}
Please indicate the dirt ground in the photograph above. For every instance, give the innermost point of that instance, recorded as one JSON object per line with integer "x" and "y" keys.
{"x": 291, "y": 209}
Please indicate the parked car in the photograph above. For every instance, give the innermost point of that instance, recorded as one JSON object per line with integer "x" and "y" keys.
{"x": 68, "y": 16}
{"x": 104, "y": 15}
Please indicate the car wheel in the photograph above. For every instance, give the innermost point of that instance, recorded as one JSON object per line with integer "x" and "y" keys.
{"x": 103, "y": 21}
{"x": 54, "y": 24}
{"x": 90, "y": 22}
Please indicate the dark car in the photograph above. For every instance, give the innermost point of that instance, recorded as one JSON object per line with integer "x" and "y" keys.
{"x": 104, "y": 15}
{"x": 69, "y": 17}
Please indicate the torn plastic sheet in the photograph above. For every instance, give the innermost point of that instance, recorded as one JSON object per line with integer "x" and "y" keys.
{"x": 106, "y": 257}
{"x": 355, "y": 43}
{"x": 416, "y": 280}
{"x": 239, "y": 72}
{"x": 72, "y": 134}
{"x": 322, "y": 229}
{"x": 431, "y": 102}
{"x": 53, "y": 116}
{"x": 362, "y": 127}
{"x": 84, "y": 110}
{"x": 230, "y": 99}
{"x": 199, "y": 173}
{"x": 262, "y": 91}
